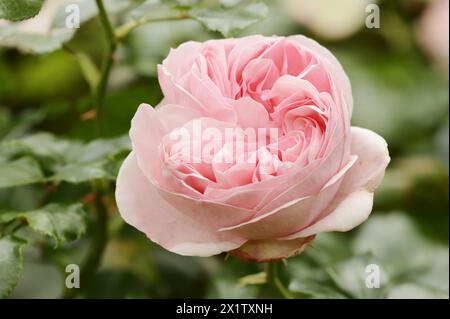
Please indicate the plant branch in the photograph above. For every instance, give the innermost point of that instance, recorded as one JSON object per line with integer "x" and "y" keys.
{"x": 106, "y": 70}
{"x": 99, "y": 228}
{"x": 274, "y": 280}
{"x": 97, "y": 246}
{"x": 124, "y": 30}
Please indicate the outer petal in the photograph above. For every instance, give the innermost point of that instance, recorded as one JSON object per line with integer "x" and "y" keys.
{"x": 179, "y": 61}
{"x": 141, "y": 205}
{"x": 269, "y": 250}
{"x": 373, "y": 155}
{"x": 146, "y": 133}
{"x": 353, "y": 203}
{"x": 351, "y": 212}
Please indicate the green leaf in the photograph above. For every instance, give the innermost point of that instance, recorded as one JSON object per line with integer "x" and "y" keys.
{"x": 23, "y": 122}
{"x": 337, "y": 266}
{"x": 11, "y": 35}
{"x": 44, "y": 146}
{"x": 400, "y": 237}
{"x": 70, "y": 160}
{"x": 11, "y": 263}
{"x": 91, "y": 161}
{"x": 63, "y": 223}
{"x": 404, "y": 252}
{"x": 226, "y": 280}
{"x": 229, "y": 21}
{"x": 20, "y": 172}
{"x": 16, "y": 10}
{"x": 99, "y": 150}
{"x": 153, "y": 9}
{"x": 81, "y": 172}
{"x": 311, "y": 281}
{"x": 350, "y": 276}
{"x": 37, "y": 43}
{"x": 414, "y": 291}
{"x": 43, "y": 40}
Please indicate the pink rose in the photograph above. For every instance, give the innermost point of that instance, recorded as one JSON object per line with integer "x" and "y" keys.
{"x": 196, "y": 190}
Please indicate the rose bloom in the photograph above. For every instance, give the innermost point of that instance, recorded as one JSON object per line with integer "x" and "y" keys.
{"x": 318, "y": 176}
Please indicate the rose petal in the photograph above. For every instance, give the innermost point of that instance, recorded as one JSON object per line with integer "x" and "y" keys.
{"x": 291, "y": 216}
{"x": 333, "y": 64}
{"x": 211, "y": 214}
{"x": 179, "y": 60}
{"x": 175, "y": 116}
{"x": 141, "y": 206}
{"x": 146, "y": 133}
{"x": 373, "y": 155}
{"x": 351, "y": 212}
{"x": 353, "y": 203}
{"x": 251, "y": 113}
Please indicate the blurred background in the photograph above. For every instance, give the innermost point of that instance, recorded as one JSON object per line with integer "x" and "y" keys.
{"x": 399, "y": 75}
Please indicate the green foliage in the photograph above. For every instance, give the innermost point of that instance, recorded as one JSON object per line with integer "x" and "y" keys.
{"x": 336, "y": 267}
{"x": 16, "y": 10}
{"x": 152, "y": 9}
{"x": 65, "y": 160}
{"x": 11, "y": 263}
{"x": 36, "y": 43}
{"x": 22, "y": 171}
{"x": 63, "y": 223}
{"x": 59, "y": 34}
{"x": 226, "y": 17}
{"x": 230, "y": 20}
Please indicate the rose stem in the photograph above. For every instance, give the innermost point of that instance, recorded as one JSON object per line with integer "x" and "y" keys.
{"x": 97, "y": 245}
{"x": 274, "y": 280}
{"x": 106, "y": 70}
{"x": 99, "y": 239}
